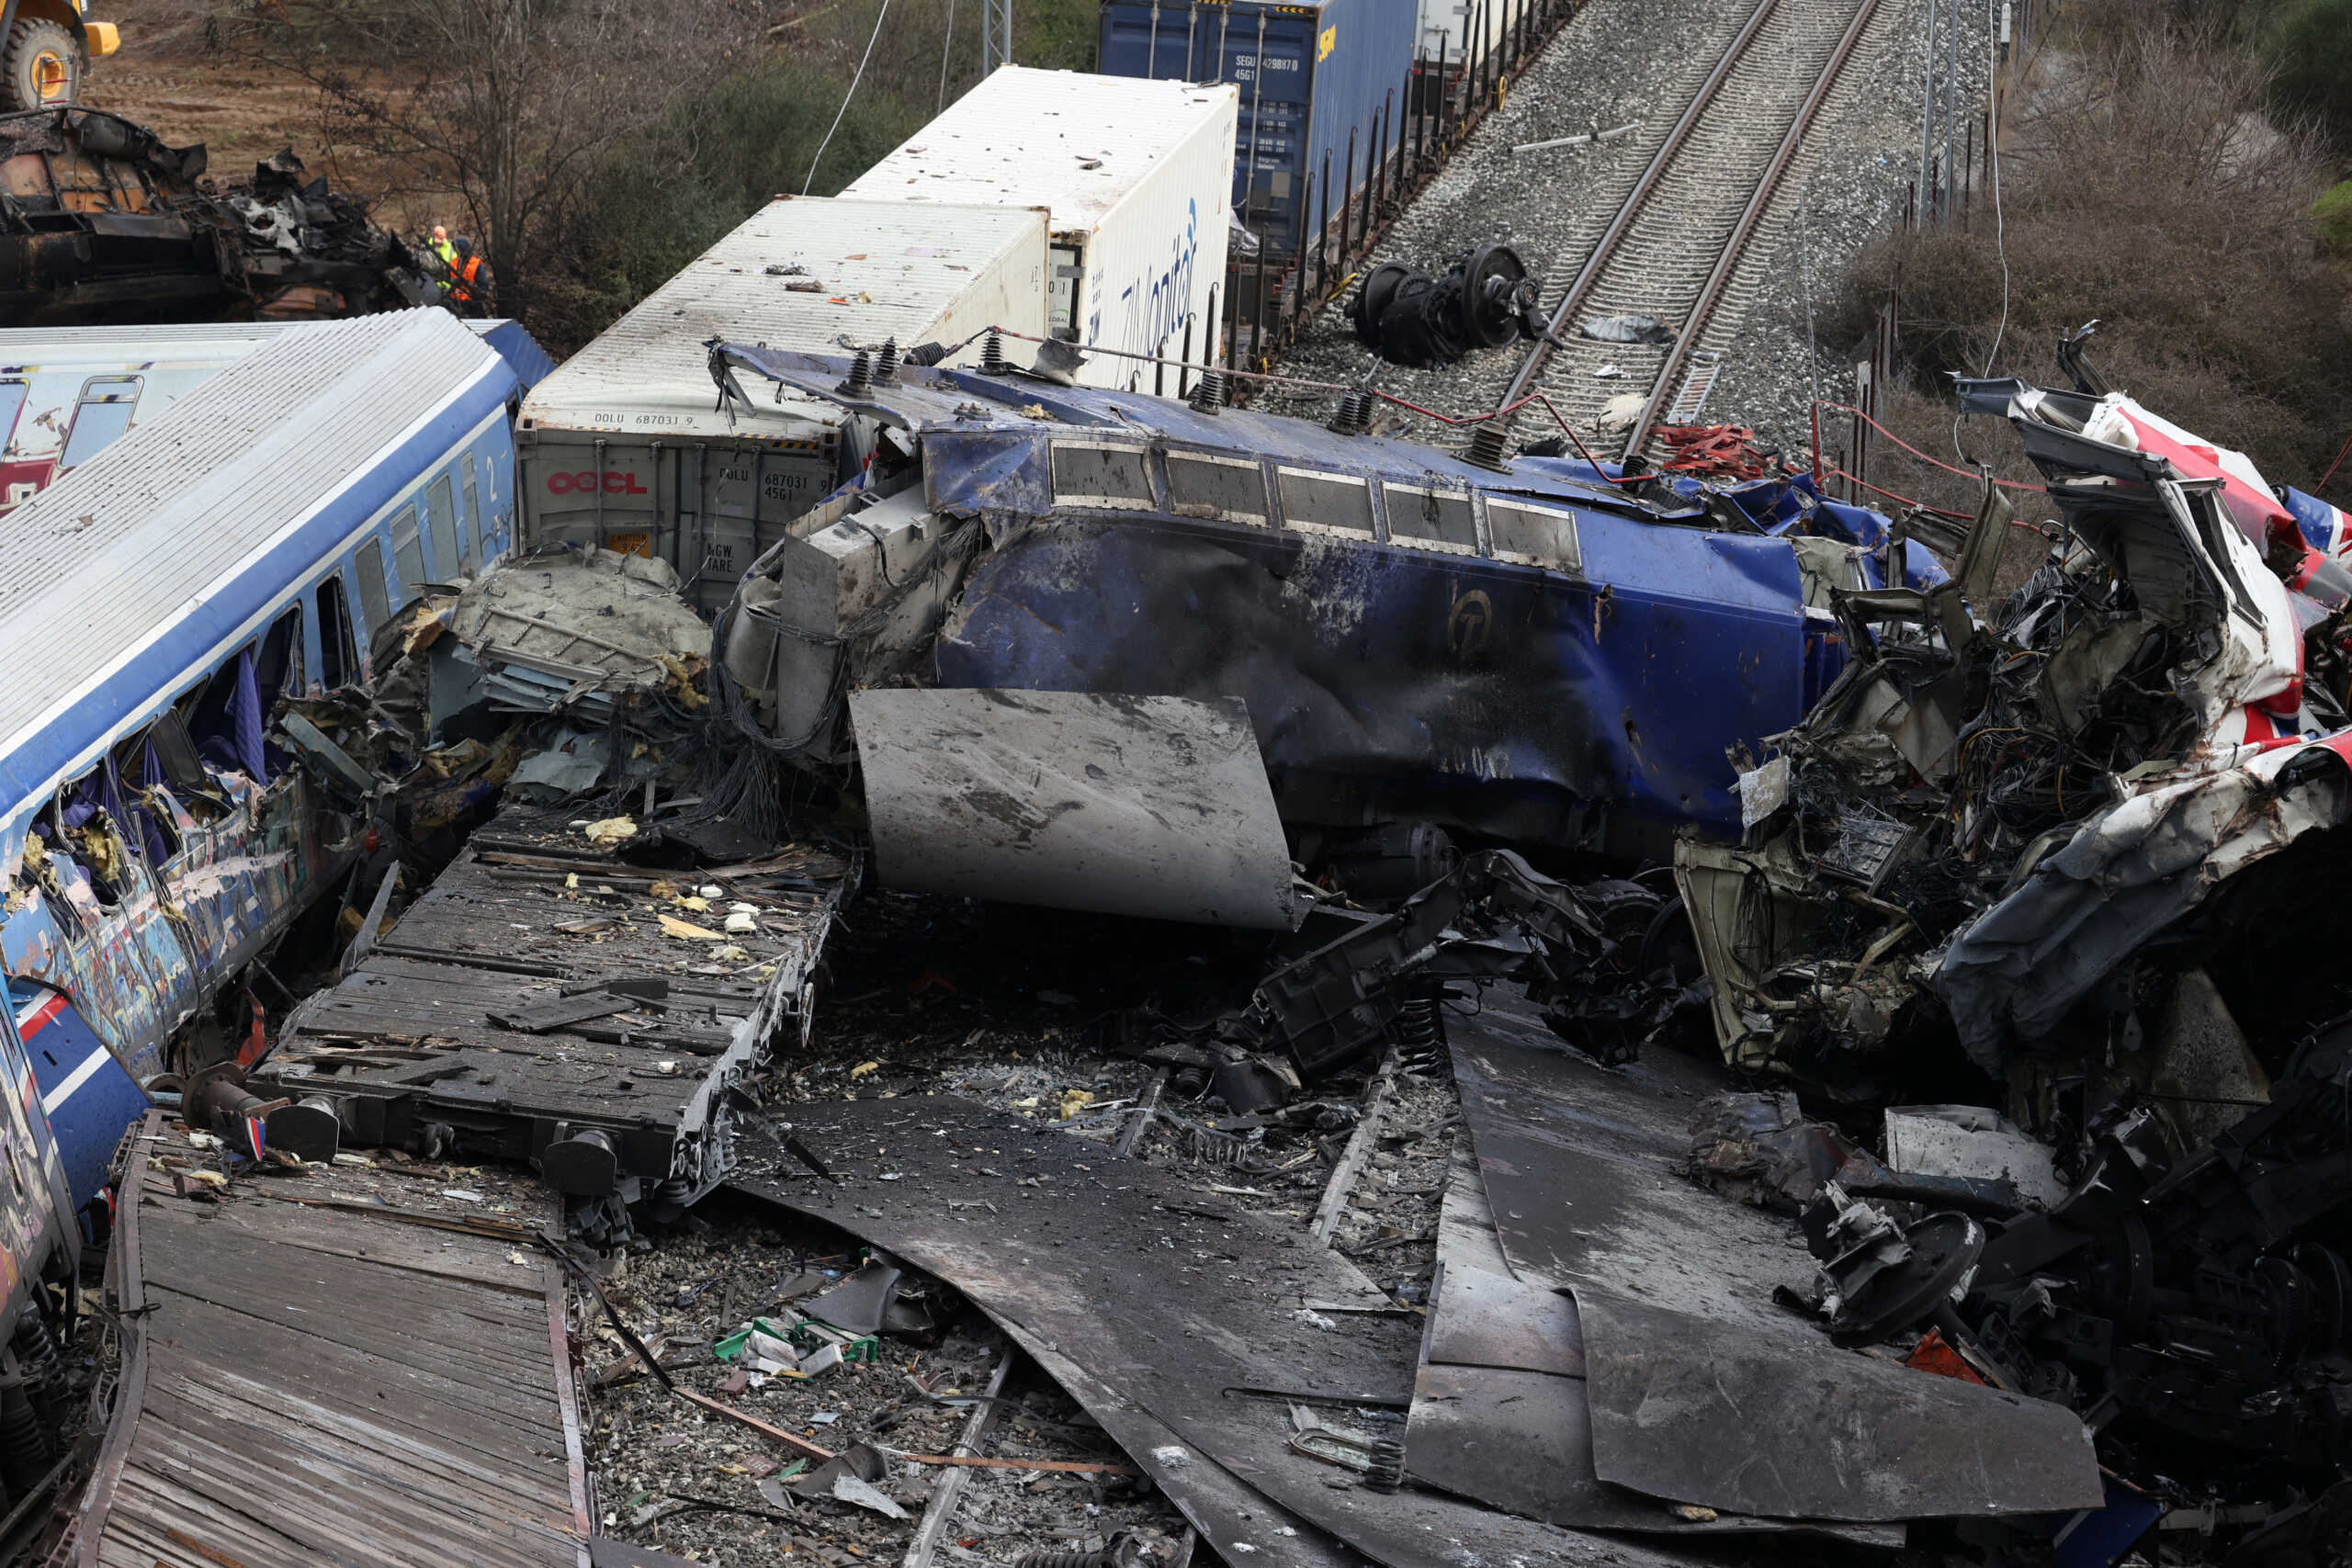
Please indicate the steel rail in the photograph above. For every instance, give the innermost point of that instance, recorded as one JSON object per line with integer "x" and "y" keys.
{"x": 1711, "y": 293}
{"x": 1605, "y": 247}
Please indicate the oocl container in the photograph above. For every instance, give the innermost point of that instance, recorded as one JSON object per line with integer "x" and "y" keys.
{"x": 623, "y": 445}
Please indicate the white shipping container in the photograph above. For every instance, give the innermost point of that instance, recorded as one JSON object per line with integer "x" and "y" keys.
{"x": 1452, "y": 26}
{"x": 1138, "y": 177}
{"x": 624, "y": 445}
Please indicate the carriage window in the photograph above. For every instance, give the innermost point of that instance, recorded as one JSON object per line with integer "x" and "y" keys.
{"x": 1430, "y": 519}
{"x": 338, "y": 652}
{"x": 477, "y": 545}
{"x": 1232, "y": 489}
{"x": 443, "y": 515}
{"x": 1088, "y": 473}
{"x": 1336, "y": 504}
{"x": 1533, "y": 534}
{"x": 279, "y": 666}
{"x": 372, "y": 601}
{"x": 407, "y": 553}
{"x": 12, "y": 403}
{"x": 103, "y": 413}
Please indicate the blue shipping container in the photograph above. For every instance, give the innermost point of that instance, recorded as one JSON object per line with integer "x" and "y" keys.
{"x": 1309, "y": 76}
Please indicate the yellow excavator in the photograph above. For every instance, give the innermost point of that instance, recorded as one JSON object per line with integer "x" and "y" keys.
{"x": 46, "y": 47}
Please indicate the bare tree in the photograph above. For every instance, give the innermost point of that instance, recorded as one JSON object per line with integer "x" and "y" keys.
{"x": 505, "y": 108}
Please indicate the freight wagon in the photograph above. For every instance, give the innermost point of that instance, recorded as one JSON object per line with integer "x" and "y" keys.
{"x": 622, "y": 445}
{"x": 1316, "y": 83}
{"x": 1135, "y": 178}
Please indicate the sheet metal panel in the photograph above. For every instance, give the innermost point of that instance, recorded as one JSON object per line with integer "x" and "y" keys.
{"x": 1701, "y": 1389}
{"x": 1147, "y": 806}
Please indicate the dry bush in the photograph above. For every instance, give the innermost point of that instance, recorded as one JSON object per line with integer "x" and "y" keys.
{"x": 2142, "y": 188}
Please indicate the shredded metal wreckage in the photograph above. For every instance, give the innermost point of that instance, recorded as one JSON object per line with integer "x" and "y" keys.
{"x": 1388, "y": 711}
{"x": 104, "y": 224}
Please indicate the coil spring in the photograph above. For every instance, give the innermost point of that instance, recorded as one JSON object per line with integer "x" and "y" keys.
{"x": 1119, "y": 1551}
{"x": 24, "y": 1447}
{"x": 1387, "y": 1471}
{"x": 44, "y": 1371}
{"x": 1419, "y": 1025}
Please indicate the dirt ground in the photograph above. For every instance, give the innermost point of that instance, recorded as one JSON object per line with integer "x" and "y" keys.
{"x": 166, "y": 78}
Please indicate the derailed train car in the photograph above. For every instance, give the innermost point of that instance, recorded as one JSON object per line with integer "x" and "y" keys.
{"x": 162, "y": 820}
{"x": 1258, "y": 631}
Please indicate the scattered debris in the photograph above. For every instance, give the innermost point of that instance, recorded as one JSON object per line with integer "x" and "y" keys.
{"x": 1484, "y": 300}
{"x": 107, "y": 224}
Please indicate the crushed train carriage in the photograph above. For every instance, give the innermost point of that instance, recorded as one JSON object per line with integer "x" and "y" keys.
{"x": 165, "y": 607}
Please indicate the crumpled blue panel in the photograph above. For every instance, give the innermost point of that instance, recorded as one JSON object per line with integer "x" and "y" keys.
{"x": 1389, "y": 683}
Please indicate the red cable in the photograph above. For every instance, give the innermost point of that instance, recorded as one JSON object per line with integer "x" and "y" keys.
{"x": 1964, "y": 473}
{"x": 2340, "y": 451}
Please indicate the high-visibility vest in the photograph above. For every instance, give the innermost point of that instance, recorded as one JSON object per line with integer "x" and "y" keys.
{"x": 449, "y": 254}
{"x": 468, "y": 271}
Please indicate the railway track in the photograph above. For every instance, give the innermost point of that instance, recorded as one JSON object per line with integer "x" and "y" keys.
{"x": 1676, "y": 241}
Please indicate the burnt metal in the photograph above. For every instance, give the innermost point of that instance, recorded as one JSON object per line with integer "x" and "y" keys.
{"x": 423, "y": 1034}
{"x": 1701, "y": 1389}
{"x": 1492, "y": 915}
{"x": 105, "y": 224}
{"x": 1099, "y": 1311}
{"x": 1484, "y": 299}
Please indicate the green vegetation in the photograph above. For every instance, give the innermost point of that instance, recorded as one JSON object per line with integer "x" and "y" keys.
{"x": 2307, "y": 47}
{"x": 2143, "y": 187}
{"x": 662, "y": 200}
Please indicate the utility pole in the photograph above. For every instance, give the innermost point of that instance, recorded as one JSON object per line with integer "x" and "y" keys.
{"x": 1927, "y": 115}
{"x": 996, "y": 34}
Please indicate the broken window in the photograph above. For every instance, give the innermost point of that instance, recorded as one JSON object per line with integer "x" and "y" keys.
{"x": 227, "y": 717}
{"x": 408, "y": 554}
{"x": 86, "y": 817}
{"x": 147, "y": 819}
{"x": 12, "y": 403}
{"x": 1430, "y": 519}
{"x": 103, "y": 413}
{"x": 1231, "y": 490}
{"x": 1093, "y": 473}
{"x": 338, "y": 649}
{"x": 477, "y": 538}
{"x": 164, "y": 756}
{"x": 1329, "y": 503}
{"x": 373, "y": 602}
{"x": 1535, "y": 535}
{"x": 279, "y": 667}
{"x": 443, "y": 513}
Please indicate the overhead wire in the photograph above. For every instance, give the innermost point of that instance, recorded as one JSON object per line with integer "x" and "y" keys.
{"x": 843, "y": 110}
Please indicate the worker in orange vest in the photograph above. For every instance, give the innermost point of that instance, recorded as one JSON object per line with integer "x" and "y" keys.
{"x": 466, "y": 285}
